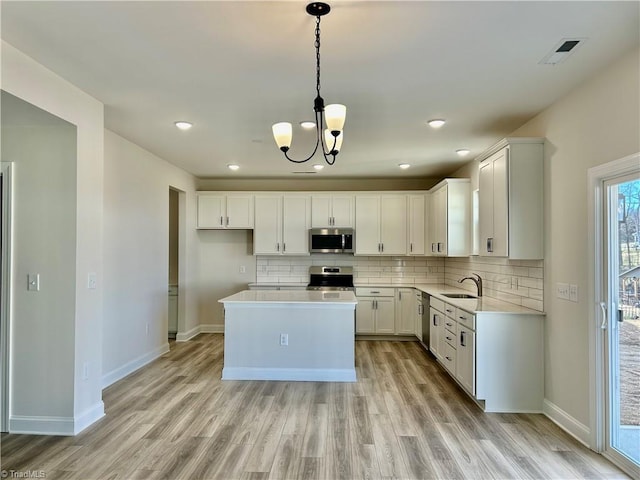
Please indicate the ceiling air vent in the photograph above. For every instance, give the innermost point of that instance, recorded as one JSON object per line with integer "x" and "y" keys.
{"x": 303, "y": 173}
{"x": 562, "y": 50}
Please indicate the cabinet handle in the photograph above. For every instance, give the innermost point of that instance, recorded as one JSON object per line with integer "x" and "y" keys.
{"x": 411, "y": 247}
{"x": 449, "y": 324}
{"x": 433, "y": 248}
{"x": 284, "y": 247}
{"x": 382, "y": 247}
{"x": 449, "y": 358}
{"x": 376, "y": 302}
{"x": 449, "y": 338}
{"x": 277, "y": 247}
{"x": 333, "y": 221}
{"x": 439, "y": 247}
{"x": 221, "y": 221}
{"x": 227, "y": 221}
{"x": 400, "y": 296}
{"x": 462, "y": 318}
{"x": 462, "y": 339}
{"x": 448, "y": 311}
{"x": 435, "y": 320}
{"x": 490, "y": 245}
{"x": 375, "y": 291}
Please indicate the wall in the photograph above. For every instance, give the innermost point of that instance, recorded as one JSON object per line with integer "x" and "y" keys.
{"x": 78, "y": 321}
{"x": 319, "y": 184}
{"x": 595, "y": 124}
{"x": 136, "y": 255}
{"x": 174, "y": 237}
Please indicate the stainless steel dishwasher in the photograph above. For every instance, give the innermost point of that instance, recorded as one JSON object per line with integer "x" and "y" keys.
{"x": 426, "y": 323}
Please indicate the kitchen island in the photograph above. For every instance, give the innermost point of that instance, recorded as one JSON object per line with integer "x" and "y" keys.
{"x": 289, "y": 335}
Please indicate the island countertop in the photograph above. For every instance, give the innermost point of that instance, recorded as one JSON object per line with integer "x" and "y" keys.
{"x": 291, "y": 296}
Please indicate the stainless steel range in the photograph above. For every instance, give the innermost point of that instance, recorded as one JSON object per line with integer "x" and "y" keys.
{"x": 330, "y": 278}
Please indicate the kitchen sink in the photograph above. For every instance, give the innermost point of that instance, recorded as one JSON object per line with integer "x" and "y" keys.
{"x": 458, "y": 295}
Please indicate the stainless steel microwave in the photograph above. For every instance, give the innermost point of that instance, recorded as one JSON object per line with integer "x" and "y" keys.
{"x": 331, "y": 240}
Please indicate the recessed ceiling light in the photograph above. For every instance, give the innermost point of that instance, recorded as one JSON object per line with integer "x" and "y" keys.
{"x": 233, "y": 167}
{"x": 436, "y": 123}
{"x": 317, "y": 166}
{"x": 463, "y": 152}
{"x": 184, "y": 125}
{"x": 308, "y": 125}
{"x": 404, "y": 166}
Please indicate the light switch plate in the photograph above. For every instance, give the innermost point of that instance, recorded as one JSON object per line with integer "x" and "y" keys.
{"x": 573, "y": 293}
{"x": 92, "y": 281}
{"x": 562, "y": 290}
{"x": 33, "y": 282}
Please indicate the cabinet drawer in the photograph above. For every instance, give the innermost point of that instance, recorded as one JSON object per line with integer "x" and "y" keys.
{"x": 437, "y": 304}
{"x": 449, "y": 358}
{"x": 374, "y": 292}
{"x": 450, "y": 338}
{"x": 465, "y": 318}
{"x": 450, "y": 311}
{"x": 451, "y": 325}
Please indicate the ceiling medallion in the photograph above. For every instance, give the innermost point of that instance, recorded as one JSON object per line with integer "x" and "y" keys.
{"x": 329, "y": 139}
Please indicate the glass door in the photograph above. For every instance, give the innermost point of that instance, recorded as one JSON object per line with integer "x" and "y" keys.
{"x": 622, "y": 325}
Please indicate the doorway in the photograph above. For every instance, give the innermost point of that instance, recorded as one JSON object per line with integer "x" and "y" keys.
{"x": 616, "y": 347}
{"x": 174, "y": 263}
{"x": 5, "y": 276}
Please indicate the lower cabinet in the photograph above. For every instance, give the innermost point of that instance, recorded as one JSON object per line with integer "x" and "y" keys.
{"x": 406, "y": 311}
{"x": 375, "y": 312}
{"x": 497, "y": 357}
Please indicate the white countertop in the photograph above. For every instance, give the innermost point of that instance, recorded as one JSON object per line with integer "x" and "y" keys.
{"x": 292, "y": 296}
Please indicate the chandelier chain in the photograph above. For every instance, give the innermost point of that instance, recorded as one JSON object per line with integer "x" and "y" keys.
{"x": 317, "y": 44}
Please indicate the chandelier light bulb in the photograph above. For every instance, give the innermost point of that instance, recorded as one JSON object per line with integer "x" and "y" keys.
{"x": 334, "y": 116}
{"x": 282, "y": 133}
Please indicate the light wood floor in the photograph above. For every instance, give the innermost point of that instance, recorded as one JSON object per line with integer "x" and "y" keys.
{"x": 404, "y": 418}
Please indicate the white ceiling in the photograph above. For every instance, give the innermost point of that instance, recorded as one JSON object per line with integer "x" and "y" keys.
{"x": 235, "y": 68}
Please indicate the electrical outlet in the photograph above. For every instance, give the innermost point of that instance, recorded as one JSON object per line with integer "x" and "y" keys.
{"x": 92, "y": 281}
{"x": 562, "y": 290}
{"x": 243, "y": 269}
{"x": 573, "y": 293}
{"x": 284, "y": 339}
{"x": 33, "y": 282}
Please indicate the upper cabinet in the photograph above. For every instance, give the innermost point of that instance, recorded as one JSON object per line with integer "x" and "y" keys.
{"x": 417, "y": 224}
{"x": 510, "y": 199}
{"x": 282, "y": 224}
{"x": 450, "y": 218}
{"x": 217, "y": 210}
{"x": 332, "y": 211}
{"x": 381, "y": 224}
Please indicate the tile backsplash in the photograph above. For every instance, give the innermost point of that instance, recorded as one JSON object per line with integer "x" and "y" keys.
{"x": 367, "y": 270}
{"x": 515, "y": 281}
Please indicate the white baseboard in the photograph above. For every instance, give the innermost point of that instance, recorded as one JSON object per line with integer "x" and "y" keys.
{"x": 195, "y": 331}
{"x": 67, "y": 426}
{"x": 573, "y": 427}
{"x": 88, "y": 417}
{"x": 291, "y": 374}
{"x": 128, "y": 368}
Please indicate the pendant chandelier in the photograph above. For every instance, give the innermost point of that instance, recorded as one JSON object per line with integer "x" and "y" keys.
{"x": 329, "y": 139}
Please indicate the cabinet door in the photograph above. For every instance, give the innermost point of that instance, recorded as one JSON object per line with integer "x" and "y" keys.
{"x": 494, "y": 209}
{"x": 416, "y": 225}
{"x": 405, "y": 312}
{"x": 321, "y": 215}
{"x": 342, "y": 211}
{"x": 466, "y": 359}
{"x": 442, "y": 220}
{"x": 436, "y": 326}
{"x": 268, "y": 225}
{"x": 393, "y": 224}
{"x": 239, "y": 211}
{"x": 385, "y": 315}
{"x": 296, "y": 221}
{"x": 367, "y": 225}
{"x": 501, "y": 204}
{"x": 211, "y": 211}
{"x": 365, "y": 315}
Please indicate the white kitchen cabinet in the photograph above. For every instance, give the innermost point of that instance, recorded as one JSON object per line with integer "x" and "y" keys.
{"x": 436, "y": 330}
{"x": 282, "y": 225}
{"x": 417, "y": 225}
{"x": 224, "y": 211}
{"x": 466, "y": 359}
{"x": 511, "y": 199}
{"x": 406, "y": 311}
{"x": 375, "y": 312}
{"x": 450, "y": 218}
{"x": 381, "y": 224}
{"x": 332, "y": 211}
{"x": 419, "y": 313}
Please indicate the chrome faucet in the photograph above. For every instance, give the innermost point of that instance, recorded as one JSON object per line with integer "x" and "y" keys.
{"x": 477, "y": 280}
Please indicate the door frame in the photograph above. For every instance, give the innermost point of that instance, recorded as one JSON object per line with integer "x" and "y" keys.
{"x": 597, "y": 293}
{"x": 5, "y": 294}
